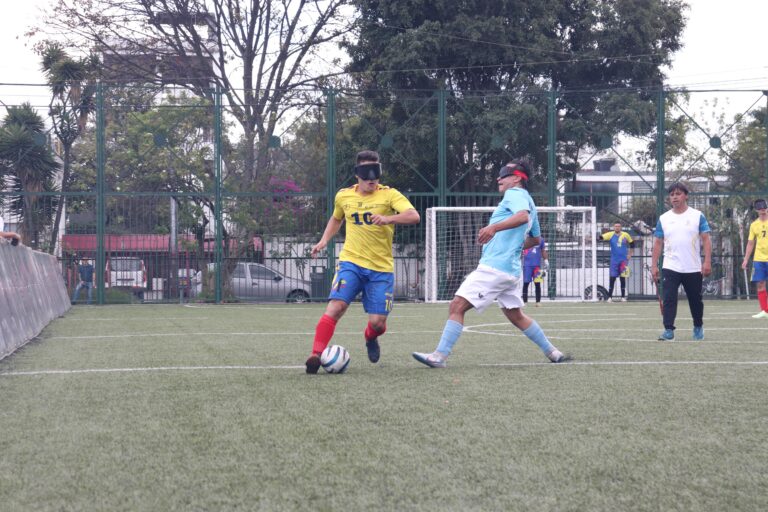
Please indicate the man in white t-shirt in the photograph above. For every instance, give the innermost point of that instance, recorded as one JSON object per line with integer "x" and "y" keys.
{"x": 682, "y": 231}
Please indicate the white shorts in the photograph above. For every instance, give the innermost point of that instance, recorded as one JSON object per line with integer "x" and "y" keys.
{"x": 486, "y": 284}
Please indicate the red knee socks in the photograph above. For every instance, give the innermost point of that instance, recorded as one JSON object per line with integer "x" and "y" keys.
{"x": 323, "y": 333}
{"x": 371, "y": 333}
{"x": 762, "y": 297}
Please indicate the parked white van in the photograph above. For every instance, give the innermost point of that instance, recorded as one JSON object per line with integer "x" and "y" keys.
{"x": 127, "y": 272}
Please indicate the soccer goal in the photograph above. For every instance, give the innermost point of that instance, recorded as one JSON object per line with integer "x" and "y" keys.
{"x": 569, "y": 232}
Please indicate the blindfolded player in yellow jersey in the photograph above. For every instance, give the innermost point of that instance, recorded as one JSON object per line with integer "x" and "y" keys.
{"x": 759, "y": 242}
{"x": 366, "y": 265}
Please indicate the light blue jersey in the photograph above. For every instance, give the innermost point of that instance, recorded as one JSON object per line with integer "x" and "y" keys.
{"x": 504, "y": 250}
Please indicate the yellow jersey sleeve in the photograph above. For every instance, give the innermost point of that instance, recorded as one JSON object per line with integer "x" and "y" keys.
{"x": 338, "y": 208}
{"x": 627, "y": 237}
{"x": 399, "y": 202}
{"x": 606, "y": 236}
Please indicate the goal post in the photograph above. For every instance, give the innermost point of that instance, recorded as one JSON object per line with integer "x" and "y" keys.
{"x": 569, "y": 232}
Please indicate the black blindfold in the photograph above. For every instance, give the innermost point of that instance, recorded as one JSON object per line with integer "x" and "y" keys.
{"x": 368, "y": 171}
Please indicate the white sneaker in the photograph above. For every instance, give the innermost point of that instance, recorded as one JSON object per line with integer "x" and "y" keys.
{"x": 538, "y": 304}
{"x": 558, "y": 357}
{"x": 761, "y": 314}
{"x": 609, "y": 299}
{"x": 429, "y": 359}
{"x": 623, "y": 299}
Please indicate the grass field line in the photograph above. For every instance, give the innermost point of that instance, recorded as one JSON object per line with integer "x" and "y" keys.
{"x": 172, "y": 334}
{"x": 653, "y": 339}
{"x": 143, "y": 319}
{"x": 471, "y": 328}
{"x": 32, "y": 373}
{"x": 630, "y": 363}
{"x": 149, "y": 369}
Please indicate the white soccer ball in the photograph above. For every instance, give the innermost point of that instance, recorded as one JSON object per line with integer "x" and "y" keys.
{"x": 334, "y": 359}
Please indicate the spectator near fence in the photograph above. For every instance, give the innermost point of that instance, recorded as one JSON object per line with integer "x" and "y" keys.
{"x": 621, "y": 252}
{"x": 535, "y": 265}
{"x": 85, "y": 270}
{"x": 680, "y": 235}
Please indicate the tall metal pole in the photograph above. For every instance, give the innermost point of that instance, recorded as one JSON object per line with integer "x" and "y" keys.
{"x": 100, "y": 188}
{"x": 552, "y": 148}
{"x": 331, "y": 174}
{"x": 219, "y": 217}
{"x": 660, "y": 156}
{"x": 552, "y": 182}
{"x": 442, "y": 159}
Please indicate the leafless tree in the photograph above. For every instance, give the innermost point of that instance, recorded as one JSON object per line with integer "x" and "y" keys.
{"x": 262, "y": 54}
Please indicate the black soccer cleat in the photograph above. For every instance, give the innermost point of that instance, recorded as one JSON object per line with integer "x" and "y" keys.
{"x": 374, "y": 351}
{"x": 313, "y": 364}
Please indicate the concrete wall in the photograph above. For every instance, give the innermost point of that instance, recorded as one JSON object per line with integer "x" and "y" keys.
{"x": 32, "y": 293}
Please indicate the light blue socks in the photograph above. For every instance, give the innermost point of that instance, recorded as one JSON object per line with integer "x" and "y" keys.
{"x": 536, "y": 335}
{"x": 451, "y": 333}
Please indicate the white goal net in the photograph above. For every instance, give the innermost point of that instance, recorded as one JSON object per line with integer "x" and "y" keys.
{"x": 569, "y": 232}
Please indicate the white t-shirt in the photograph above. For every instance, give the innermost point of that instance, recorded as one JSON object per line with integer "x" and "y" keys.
{"x": 682, "y": 239}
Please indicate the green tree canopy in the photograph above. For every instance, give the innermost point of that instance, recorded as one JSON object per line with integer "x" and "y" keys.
{"x": 28, "y": 166}
{"x": 498, "y": 60}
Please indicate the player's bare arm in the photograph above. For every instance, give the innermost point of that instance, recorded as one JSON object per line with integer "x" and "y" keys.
{"x": 706, "y": 267}
{"x": 485, "y": 234}
{"x": 333, "y": 227}
{"x": 658, "y": 245}
{"x": 533, "y": 241}
{"x": 747, "y": 254}
{"x": 405, "y": 218}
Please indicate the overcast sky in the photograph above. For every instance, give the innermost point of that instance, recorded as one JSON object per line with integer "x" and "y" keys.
{"x": 724, "y": 49}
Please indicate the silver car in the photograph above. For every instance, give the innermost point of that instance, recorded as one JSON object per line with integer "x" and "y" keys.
{"x": 254, "y": 281}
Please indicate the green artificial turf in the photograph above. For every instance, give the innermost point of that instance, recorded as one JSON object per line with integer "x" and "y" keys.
{"x": 209, "y": 408}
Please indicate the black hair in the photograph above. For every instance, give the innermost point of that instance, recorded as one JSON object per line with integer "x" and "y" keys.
{"x": 678, "y": 186}
{"x": 367, "y": 156}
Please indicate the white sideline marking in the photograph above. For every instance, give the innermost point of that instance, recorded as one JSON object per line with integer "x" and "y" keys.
{"x": 150, "y": 369}
{"x": 633, "y": 363}
{"x": 301, "y": 367}
{"x": 96, "y": 319}
{"x": 470, "y": 328}
{"x": 177, "y": 334}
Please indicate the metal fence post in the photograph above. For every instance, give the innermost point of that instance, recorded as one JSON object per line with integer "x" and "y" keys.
{"x": 331, "y": 171}
{"x": 552, "y": 147}
{"x": 101, "y": 262}
{"x": 217, "y": 114}
{"x": 660, "y": 136}
{"x": 552, "y": 181}
{"x": 442, "y": 167}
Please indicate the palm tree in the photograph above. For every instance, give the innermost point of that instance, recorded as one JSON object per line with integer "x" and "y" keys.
{"x": 27, "y": 167}
{"x": 73, "y": 88}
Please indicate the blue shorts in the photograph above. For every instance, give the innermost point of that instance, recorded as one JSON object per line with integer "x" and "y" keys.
{"x": 759, "y": 271}
{"x": 530, "y": 273}
{"x": 617, "y": 267}
{"x": 377, "y": 287}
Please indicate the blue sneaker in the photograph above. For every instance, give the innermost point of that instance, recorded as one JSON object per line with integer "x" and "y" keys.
{"x": 698, "y": 333}
{"x": 374, "y": 351}
{"x": 667, "y": 335}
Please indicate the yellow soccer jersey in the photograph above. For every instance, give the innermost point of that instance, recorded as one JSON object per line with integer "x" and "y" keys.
{"x": 366, "y": 244}
{"x": 757, "y": 232}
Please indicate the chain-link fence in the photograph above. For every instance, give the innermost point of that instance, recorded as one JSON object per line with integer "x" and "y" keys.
{"x": 166, "y": 198}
